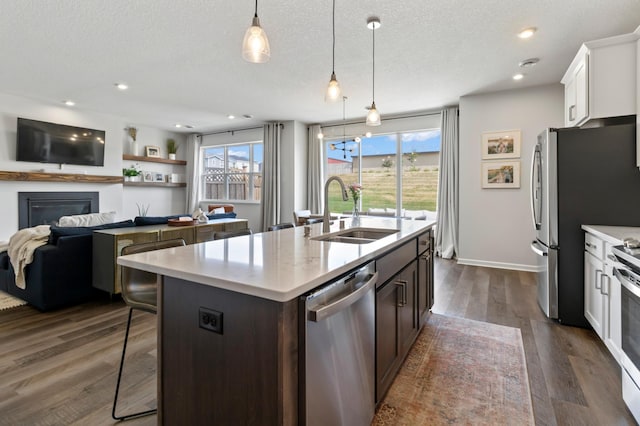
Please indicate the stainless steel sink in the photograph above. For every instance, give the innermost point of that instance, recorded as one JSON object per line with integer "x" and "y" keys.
{"x": 356, "y": 235}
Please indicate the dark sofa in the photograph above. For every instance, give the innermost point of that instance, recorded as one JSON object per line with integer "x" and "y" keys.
{"x": 61, "y": 272}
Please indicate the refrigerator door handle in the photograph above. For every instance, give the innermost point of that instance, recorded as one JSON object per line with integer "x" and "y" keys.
{"x": 538, "y": 249}
{"x": 535, "y": 157}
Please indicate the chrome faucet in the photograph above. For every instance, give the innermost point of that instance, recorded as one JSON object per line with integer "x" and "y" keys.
{"x": 345, "y": 197}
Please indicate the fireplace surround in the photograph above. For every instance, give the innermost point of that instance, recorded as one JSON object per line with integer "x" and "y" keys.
{"x": 45, "y": 208}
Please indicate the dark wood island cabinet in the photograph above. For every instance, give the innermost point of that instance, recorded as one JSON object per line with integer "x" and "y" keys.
{"x": 231, "y": 353}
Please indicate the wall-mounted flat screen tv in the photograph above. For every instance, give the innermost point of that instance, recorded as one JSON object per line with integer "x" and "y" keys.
{"x": 42, "y": 142}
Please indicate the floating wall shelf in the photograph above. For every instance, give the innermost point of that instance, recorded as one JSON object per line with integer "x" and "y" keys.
{"x": 58, "y": 177}
{"x": 153, "y": 159}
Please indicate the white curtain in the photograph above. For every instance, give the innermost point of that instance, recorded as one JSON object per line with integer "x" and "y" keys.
{"x": 446, "y": 238}
{"x": 193, "y": 172}
{"x": 270, "y": 206}
{"x": 315, "y": 171}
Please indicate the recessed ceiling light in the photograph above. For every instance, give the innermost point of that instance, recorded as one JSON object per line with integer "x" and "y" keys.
{"x": 121, "y": 86}
{"x": 368, "y": 134}
{"x": 518, "y": 77}
{"x": 69, "y": 103}
{"x": 320, "y": 135}
{"x": 178, "y": 125}
{"x": 528, "y": 62}
{"x": 231, "y": 116}
{"x": 527, "y": 32}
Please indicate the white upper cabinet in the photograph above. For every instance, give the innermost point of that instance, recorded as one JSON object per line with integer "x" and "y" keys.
{"x": 601, "y": 80}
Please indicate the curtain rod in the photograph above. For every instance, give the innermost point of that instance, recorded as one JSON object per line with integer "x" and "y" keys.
{"x": 386, "y": 119}
{"x": 236, "y": 130}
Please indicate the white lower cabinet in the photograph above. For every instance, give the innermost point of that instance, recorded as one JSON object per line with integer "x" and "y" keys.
{"x": 612, "y": 300}
{"x": 593, "y": 297}
{"x": 602, "y": 293}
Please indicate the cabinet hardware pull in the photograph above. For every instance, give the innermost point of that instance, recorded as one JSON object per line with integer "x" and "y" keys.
{"x": 604, "y": 293}
{"x": 598, "y": 271}
{"x": 403, "y": 286}
{"x": 572, "y": 109}
{"x": 588, "y": 244}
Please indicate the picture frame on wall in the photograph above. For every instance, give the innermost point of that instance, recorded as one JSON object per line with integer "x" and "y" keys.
{"x": 148, "y": 176}
{"x": 501, "y": 145}
{"x": 152, "y": 151}
{"x": 158, "y": 177}
{"x": 500, "y": 174}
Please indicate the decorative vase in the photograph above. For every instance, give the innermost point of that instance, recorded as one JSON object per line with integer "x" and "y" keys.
{"x": 172, "y": 156}
{"x": 134, "y": 148}
{"x": 356, "y": 211}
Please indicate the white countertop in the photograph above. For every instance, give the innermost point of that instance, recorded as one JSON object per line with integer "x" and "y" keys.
{"x": 279, "y": 265}
{"x": 613, "y": 234}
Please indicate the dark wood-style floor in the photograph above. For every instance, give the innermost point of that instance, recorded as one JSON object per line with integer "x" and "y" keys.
{"x": 60, "y": 368}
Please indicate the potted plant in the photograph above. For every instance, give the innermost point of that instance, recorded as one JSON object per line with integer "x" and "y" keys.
{"x": 131, "y": 174}
{"x": 172, "y": 148}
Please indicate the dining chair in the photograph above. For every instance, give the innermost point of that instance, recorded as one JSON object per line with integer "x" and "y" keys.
{"x": 139, "y": 291}
{"x": 280, "y": 226}
{"x": 300, "y": 217}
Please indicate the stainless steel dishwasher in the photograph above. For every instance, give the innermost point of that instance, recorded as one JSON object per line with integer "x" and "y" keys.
{"x": 338, "y": 387}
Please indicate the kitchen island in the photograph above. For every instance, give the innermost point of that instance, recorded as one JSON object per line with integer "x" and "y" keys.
{"x": 244, "y": 366}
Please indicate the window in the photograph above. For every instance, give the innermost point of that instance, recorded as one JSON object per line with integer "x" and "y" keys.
{"x": 232, "y": 172}
{"x": 398, "y": 173}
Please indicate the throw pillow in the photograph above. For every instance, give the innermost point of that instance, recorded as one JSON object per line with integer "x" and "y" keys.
{"x": 91, "y": 219}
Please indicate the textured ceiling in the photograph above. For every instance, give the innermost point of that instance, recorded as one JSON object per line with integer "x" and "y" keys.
{"x": 182, "y": 59}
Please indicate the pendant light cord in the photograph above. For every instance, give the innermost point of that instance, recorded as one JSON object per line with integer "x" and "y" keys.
{"x": 256, "y": 15}
{"x": 333, "y": 60}
{"x": 373, "y": 80}
{"x": 344, "y": 134}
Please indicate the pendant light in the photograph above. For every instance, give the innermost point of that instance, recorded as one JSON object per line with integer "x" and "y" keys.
{"x": 373, "y": 116}
{"x": 333, "y": 90}
{"x": 255, "y": 46}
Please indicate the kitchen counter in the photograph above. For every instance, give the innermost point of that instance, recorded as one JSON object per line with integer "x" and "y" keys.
{"x": 613, "y": 234}
{"x": 277, "y": 266}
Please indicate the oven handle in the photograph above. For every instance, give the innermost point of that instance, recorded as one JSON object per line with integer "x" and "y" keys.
{"x": 625, "y": 277}
{"x": 537, "y": 248}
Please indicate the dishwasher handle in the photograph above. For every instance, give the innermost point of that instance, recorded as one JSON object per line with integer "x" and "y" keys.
{"x": 317, "y": 315}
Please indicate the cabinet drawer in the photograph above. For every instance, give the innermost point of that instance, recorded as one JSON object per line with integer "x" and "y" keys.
{"x": 594, "y": 245}
{"x": 424, "y": 242}
{"x": 389, "y": 264}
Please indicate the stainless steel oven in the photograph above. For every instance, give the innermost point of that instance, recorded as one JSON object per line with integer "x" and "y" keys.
{"x": 628, "y": 273}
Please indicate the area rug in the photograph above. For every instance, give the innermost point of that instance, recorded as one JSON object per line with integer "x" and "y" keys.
{"x": 460, "y": 372}
{"x": 7, "y": 301}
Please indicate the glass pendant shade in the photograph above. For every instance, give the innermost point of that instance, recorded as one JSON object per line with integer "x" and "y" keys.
{"x": 373, "y": 116}
{"x": 255, "y": 46}
{"x": 333, "y": 90}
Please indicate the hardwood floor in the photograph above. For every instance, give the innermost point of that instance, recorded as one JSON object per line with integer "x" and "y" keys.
{"x": 573, "y": 378}
{"x": 60, "y": 368}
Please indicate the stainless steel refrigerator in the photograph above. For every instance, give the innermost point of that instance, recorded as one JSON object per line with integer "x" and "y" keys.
{"x": 579, "y": 176}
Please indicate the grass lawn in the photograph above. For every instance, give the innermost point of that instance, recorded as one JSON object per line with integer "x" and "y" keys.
{"x": 419, "y": 190}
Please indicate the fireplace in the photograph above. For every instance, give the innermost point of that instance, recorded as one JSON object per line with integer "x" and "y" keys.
{"x": 45, "y": 208}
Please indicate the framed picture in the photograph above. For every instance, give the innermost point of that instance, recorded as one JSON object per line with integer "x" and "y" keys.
{"x": 158, "y": 177}
{"x": 148, "y": 176}
{"x": 152, "y": 151}
{"x": 499, "y": 145}
{"x": 501, "y": 174}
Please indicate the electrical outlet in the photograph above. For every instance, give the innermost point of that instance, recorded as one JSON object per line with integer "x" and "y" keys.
{"x": 210, "y": 320}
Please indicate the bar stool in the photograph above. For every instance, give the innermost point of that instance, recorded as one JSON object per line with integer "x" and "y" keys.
{"x": 139, "y": 291}
{"x": 230, "y": 234}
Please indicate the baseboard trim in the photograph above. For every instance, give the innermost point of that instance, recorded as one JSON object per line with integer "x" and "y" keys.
{"x": 499, "y": 265}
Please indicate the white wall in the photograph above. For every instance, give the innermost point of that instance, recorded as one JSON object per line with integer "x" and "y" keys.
{"x": 112, "y": 196}
{"x": 495, "y": 224}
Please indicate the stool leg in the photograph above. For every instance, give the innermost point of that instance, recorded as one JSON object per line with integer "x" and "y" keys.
{"x": 115, "y": 399}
